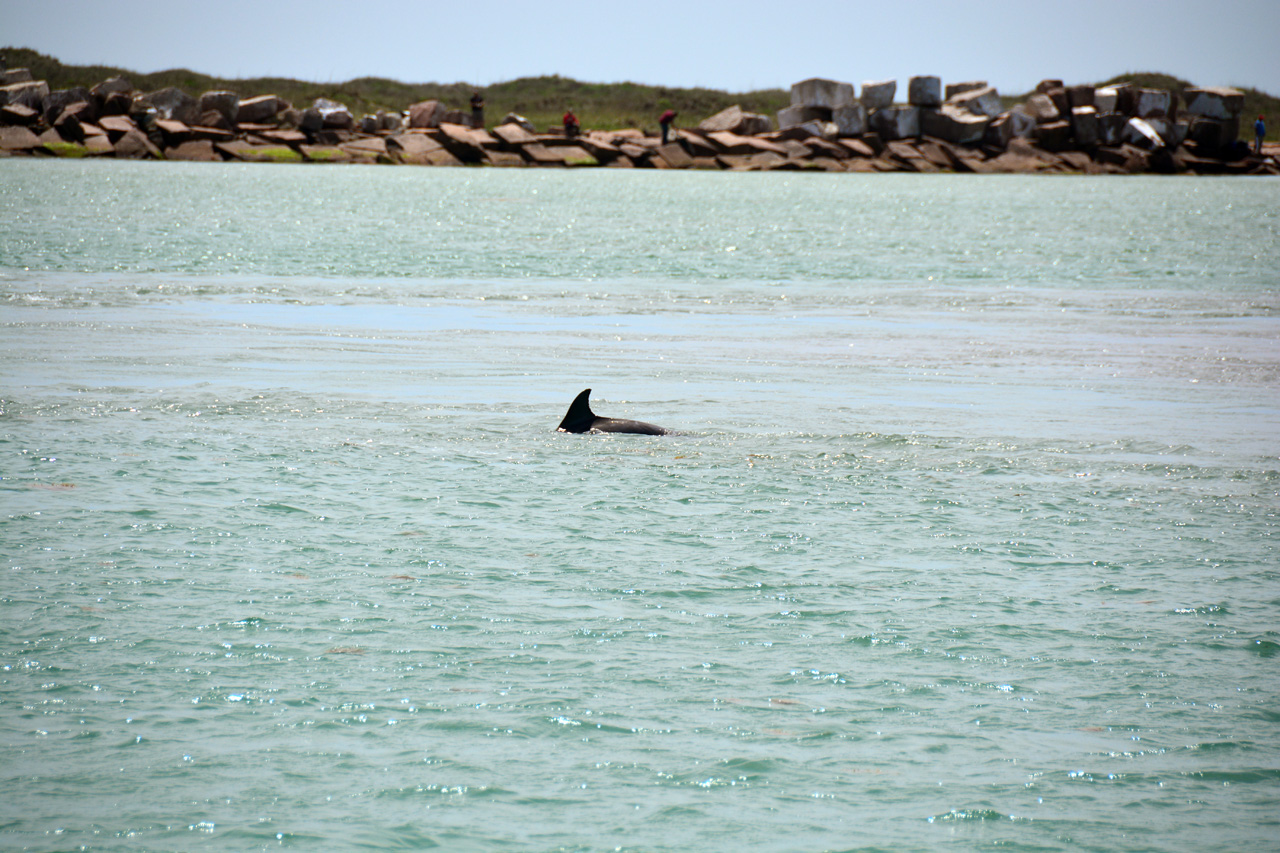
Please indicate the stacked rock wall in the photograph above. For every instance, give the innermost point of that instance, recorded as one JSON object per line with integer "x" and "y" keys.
{"x": 829, "y": 126}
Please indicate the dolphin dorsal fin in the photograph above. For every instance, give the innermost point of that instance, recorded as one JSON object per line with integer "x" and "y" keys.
{"x": 579, "y": 417}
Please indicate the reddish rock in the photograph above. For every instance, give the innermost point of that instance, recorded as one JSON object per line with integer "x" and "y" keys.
{"x": 734, "y": 120}
{"x": 513, "y": 135}
{"x": 426, "y": 114}
{"x": 1046, "y": 86}
{"x": 134, "y": 145}
{"x": 732, "y": 143}
{"x": 674, "y": 156}
{"x": 857, "y": 147}
{"x": 117, "y": 126}
{"x": 98, "y": 145}
{"x": 18, "y": 114}
{"x": 828, "y": 148}
{"x": 370, "y": 148}
{"x": 18, "y": 139}
{"x": 196, "y": 150}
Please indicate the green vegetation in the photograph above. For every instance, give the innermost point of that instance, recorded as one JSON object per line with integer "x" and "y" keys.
{"x": 66, "y": 149}
{"x": 542, "y": 100}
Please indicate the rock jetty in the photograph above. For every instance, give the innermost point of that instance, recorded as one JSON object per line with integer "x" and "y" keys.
{"x": 829, "y": 126}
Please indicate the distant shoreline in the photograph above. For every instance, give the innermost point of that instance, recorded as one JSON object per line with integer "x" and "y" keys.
{"x": 968, "y": 128}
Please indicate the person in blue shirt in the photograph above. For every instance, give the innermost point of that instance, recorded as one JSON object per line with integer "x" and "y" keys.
{"x": 1259, "y": 131}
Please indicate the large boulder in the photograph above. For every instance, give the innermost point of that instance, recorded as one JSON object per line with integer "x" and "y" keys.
{"x": 113, "y": 97}
{"x": 1041, "y": 108}
{"x": 850, "y": 119}
{"x": 819, "y": 92}
{"x": 29, "y": 93}
{"x": 953, "y": 124}
{"x": 954, "y": 89}
{"x": 225, "y": 104}
{"x": 261, "y": 109}
{"x": 171, "y": 103}
{"x": 1081, "y": 96}
{"x": 878, "y": 94}
{"x": 924, "y": 91}
{"x": 1213, "y": 134}
{"x": 18, "y": 139}
{"x": 135, "y": 145}
{"x": 1084, "y": 126}
{"x": 1140, "y": 132}
{"x": 1104, "y": 99}
{"x": 896, "y": 122}
{"x": 983, "y": 101}
{"x": 17, "y": 114}
{"x": 55, "y": 102}
{"x": 516, "y": 118}
{"x": 1216, "y": 102}
{"x": 1054, "y": 135}
{"x": 797, "y": 114}
{"x": 426, "y": 114}
{"x": 1154, "y": 103}
{"x": 333, "y": 115}
{"x": 727, "y": 120}
{"x": 1111, "y": 128}
{"x": 10, "y": 76}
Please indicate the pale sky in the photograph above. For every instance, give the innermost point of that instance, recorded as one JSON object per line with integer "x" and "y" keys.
{"x": 736, "y": 46}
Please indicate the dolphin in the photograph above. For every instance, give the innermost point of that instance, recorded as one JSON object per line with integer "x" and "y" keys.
{"x": 580, "y": 418}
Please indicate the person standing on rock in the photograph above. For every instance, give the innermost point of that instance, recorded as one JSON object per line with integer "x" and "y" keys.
{"x": 477, "y": 111}
{"x": 571, "y": 126}
{"x": 665, "y": 123}
{"x": 1259, "y": 131}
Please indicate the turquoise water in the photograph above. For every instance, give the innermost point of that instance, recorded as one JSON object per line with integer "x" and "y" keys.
{"x": 968, "y": 538}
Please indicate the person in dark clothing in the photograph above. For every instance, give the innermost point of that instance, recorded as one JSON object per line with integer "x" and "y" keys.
{"x": 665, "y": 123}
{"x": 477, "y": 110}
{"x": 1259, "y": 133}
{"x": 571, "y": 126}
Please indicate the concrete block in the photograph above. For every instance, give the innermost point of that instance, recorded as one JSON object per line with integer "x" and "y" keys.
{"x": 819, "y": 92}
{"x": 877, "y": 95}
{"x": 924, "y": 91}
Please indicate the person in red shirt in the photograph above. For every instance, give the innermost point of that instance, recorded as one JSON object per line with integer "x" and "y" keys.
{"x": 571, "y": 126}
{"x": 665, "y": 123}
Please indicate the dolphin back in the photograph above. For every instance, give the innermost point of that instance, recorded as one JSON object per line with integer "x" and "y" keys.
{"x": 580, "y": 419}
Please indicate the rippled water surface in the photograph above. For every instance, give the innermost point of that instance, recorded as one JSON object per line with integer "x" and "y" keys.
{"x": 967, "y": 539}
